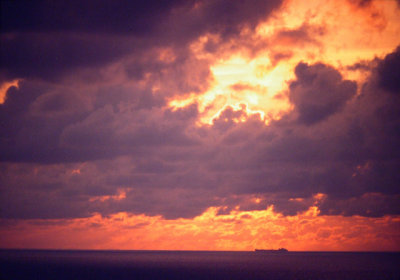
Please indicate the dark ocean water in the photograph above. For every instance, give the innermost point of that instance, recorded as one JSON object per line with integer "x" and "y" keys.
{"x": 46, "y": 264}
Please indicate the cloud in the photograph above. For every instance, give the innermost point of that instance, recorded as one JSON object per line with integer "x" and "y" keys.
{"x": 364, "y": 65}
{"x": 168, "y": 165}
{"x": 318, "y": 92}
{"x": 75, "y": 68}
{"x": 238, "y": 229}
{"x": 89, "y": 129}
{"x": 99, "y": 34}
{"x": 298, "y": 37}
{"x": 104, "y": 17}
{"x": 387, "y": 72}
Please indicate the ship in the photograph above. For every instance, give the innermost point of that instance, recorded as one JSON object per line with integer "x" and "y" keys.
{"x": 280, "y": 250}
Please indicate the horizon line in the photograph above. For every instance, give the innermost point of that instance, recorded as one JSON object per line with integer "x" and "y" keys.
{"x": 171, "y": 250}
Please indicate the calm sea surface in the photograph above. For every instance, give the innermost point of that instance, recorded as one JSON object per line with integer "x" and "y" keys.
{"x": 49, "y": 264}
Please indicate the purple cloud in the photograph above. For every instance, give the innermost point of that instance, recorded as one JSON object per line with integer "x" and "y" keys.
{"x": 318, "y": 92}
{"x": 90, "y": 121}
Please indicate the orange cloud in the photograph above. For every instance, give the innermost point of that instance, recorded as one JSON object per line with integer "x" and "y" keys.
{"x": 238, "y": 230}
{"x": 4, "y": 87}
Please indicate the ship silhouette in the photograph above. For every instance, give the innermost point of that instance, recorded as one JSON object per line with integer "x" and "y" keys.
{"x": 280, "y": 250}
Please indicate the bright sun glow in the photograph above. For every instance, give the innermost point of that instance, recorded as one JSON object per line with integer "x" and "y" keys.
{"x": 238, "y": 80}
{"x": 260, "y": 83}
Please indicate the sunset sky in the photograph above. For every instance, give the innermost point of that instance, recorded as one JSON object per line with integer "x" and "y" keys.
{"x": 200, "y": 125}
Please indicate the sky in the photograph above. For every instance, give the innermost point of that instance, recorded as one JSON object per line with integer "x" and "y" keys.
{"x": 200, "y": 125}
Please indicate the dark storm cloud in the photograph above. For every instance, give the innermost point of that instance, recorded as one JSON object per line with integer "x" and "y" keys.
{"x": 47, "y": 40}
{"x": 71, "y": 107}
{"x": 350, "y": 156}
{"x": 168, "y": 166}
{"x": 107, "y": 129}
{"x": 46, "y": 124}
{"x": 85, "y": 16}
{"x": 71, "y": 44}
{"x": 319, "y": 92}
{"x": 49, "y": 56}
{"x": 370, "y": 205}
{"x": 89, "y": 121}
{"x": 32, "y": 118}
{"x": 227, "y": 18}
{"x": 388, "y": 72}
{"x": 132, "y": 17}
{"x": 364, "y": 65}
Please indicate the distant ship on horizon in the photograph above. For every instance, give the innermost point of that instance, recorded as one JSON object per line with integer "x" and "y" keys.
{"x": 280, "y": 250}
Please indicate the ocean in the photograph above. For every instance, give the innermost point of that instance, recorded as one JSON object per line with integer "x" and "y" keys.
{"x": 75, "y": 264}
